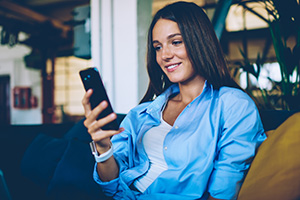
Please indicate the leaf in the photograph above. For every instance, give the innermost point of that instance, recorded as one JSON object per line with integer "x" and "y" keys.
{"x": 248, "y": 67}
{"x": 289, "y": 60}
{"x": 279, "y": 51}
{"x": 258, "y": 65}
{"x": 235, "y": 72}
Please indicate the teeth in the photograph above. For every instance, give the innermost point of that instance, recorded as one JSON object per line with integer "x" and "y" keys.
{"x": 172, "y": 66}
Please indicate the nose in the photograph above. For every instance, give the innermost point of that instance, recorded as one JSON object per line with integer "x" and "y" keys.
{"x": 166, "y": 53}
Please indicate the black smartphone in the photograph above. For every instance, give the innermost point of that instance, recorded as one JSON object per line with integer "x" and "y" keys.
{"x": 91, "y": 79}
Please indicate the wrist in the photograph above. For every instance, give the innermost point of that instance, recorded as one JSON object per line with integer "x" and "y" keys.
{"x": 103, "y": 149}
{"x": 105, "y": 155}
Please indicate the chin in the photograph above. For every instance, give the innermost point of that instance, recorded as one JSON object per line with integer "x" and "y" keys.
{"x": 174, "y": 79}
{"x": 177, "y": 79}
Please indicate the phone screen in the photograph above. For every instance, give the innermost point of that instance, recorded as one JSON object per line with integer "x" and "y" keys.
{"x": 91, "y": 79}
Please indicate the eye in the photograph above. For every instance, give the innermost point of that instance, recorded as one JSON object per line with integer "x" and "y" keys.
{"x": 177, "y": 42}
{"x": 157, "y": 47}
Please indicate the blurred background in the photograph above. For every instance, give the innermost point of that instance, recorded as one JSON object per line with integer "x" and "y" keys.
{"x": 44, "y": 44}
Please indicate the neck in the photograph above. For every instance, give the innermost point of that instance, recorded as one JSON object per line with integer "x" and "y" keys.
{"x": 190, "y": 90}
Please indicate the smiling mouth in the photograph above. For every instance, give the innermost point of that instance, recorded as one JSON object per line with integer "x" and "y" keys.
{"x": 171, "y": 68}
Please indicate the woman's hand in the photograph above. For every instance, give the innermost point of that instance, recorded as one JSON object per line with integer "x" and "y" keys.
{"x": 108, "y": 170}
{"x": 99, "y": 136}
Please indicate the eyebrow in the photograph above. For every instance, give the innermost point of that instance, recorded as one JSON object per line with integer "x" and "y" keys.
{"x": 169, "y": 37}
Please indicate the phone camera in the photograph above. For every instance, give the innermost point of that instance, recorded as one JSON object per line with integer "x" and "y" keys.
{"x": 87, "y": 77}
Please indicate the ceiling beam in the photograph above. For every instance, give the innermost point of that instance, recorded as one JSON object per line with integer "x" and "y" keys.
{"x": 27, "y": 13}
{"x": 49, "y": 2}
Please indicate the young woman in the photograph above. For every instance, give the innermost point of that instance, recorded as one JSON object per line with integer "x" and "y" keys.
{"x": 195, "y": 132}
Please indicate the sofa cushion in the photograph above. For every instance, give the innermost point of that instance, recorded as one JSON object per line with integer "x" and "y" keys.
{"x": 41, "y": 158}
{"x": 73, "y": 176}
{"x": 275, "y": 171}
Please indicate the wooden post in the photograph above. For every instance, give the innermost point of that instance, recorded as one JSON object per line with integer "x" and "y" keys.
{"x": 48, "y": 106}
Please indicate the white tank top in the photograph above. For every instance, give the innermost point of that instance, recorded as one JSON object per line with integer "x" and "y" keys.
{"x": 153, "y": 141}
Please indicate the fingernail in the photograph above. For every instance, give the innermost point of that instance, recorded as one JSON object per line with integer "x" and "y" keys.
{"x": 112, "y": 115}
{"x": 103, "y": 103}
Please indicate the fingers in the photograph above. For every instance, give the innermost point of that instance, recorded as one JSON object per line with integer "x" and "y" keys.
{"x": 95, "y": 125}
{"x": 93, "y": 115}
{"x": 86, "y": 102}
{"x": 103, "y": 134}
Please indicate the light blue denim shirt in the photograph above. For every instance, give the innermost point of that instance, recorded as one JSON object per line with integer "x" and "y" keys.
{"x": 208, "y": 150}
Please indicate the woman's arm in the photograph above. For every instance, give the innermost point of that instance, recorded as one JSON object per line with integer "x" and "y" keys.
{"x": 241, "y": 132}
{"x": 109, "y": 169}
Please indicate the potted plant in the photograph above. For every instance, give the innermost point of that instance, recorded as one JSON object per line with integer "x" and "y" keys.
{"x": 284, "y": 24}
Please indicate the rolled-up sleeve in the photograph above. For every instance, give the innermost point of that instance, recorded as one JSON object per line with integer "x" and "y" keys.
{"x": 121, "y": 144}
{"x": 241, "y": 134}
{"x": 110, "y": 187}
{"x": 115, "y": 188}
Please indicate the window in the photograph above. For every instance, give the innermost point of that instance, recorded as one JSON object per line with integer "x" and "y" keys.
{"x": 68, "y": 89}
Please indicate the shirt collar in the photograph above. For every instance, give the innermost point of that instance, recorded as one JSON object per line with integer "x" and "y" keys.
{"x": 208, "y": 86}
{"x": 155, "y": 106}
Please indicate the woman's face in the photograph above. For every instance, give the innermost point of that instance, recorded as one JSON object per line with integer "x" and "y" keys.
{"x": 170, "y": 50}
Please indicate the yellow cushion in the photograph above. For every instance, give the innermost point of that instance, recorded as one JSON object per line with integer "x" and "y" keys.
{"x": 275, "y": 171}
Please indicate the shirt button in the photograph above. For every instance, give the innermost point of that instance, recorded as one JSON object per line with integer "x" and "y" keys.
{"x": 166, "y": 148}
{"x": 176, "y": 127}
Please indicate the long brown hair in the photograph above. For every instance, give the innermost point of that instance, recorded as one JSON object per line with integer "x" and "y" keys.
{"x": 202, "y": 46}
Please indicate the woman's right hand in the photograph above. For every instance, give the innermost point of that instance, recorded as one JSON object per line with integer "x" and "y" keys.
{"x": 99, "y": 136}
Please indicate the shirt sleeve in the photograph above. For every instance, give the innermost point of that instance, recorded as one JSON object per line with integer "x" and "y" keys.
{"x": 115, "y": 188}
{"x": 122, "y": 144}
{"x": 241, "y": 134}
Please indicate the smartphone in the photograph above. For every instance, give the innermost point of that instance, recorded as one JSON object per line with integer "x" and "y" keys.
{"x": 91, "y": 79}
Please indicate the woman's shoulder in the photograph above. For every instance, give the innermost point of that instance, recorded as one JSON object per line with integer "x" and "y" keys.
{"x": 237, "y": 104}
{"x": 234, "y": 97}
{"x": 230, "y": 93}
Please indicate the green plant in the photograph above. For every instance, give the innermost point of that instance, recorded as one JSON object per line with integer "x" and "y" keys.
{"x": 284, "y": 24}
